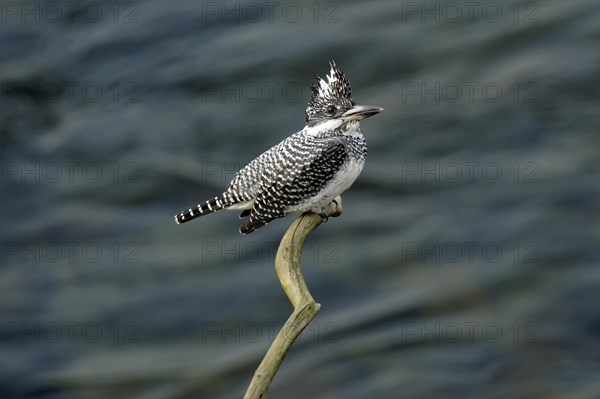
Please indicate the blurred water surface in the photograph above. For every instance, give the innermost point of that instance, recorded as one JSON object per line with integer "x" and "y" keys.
{"x": 466, "y": 261}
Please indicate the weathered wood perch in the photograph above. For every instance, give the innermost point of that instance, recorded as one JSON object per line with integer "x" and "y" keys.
{"x": 287, "y": 265}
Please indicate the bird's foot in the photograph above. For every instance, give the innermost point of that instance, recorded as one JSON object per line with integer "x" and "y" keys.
{"x": 324, "y": 215}
{"x": 334, "y": 209}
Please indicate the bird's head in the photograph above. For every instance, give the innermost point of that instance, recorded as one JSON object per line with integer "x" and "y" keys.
{"x": 332, "y": 99}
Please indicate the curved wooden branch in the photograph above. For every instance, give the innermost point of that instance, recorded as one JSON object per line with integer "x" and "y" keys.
{"x": 287, "y": 265}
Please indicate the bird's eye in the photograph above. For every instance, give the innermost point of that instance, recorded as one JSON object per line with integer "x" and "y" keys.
{"x": 330, "y": 109}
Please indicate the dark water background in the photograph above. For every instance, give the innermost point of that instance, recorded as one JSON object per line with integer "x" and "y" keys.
{"x": 465, "y": 264}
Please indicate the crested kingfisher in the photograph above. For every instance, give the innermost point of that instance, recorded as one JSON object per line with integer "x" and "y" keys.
{"x": 307, "y": 170}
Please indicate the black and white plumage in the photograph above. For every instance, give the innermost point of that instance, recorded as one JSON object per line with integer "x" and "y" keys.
{"x": 307, "y": 170}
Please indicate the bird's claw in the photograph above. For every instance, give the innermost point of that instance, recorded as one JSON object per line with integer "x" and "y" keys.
{"x": 324, "y": 216}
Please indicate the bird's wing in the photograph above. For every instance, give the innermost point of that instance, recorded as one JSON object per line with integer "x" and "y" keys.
{"x": 249, "y": 180}
{"x": 300, "y": 178}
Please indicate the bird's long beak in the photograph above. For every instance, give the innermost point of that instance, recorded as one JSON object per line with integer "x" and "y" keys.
{"x": 359, "y": 112}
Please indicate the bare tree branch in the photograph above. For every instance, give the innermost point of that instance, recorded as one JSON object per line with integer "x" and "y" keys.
{"x": 287, "y": 265}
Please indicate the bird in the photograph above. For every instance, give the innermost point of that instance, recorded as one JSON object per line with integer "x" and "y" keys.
{"x": 306, "y": 171}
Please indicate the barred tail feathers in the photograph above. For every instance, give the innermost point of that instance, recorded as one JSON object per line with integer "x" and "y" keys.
{"x": 202, "y": 209}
